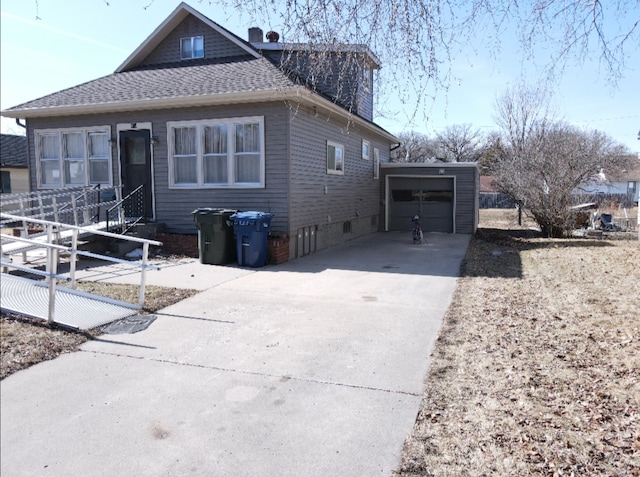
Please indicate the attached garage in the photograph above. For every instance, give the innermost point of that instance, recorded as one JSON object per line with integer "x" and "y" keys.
{"x": 444, "y": 196}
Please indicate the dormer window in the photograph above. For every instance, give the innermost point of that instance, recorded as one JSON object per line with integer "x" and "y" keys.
{"x": 191, "y": 48}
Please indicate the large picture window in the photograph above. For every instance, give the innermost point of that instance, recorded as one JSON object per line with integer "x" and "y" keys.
{"x": 217, "y": 153}
{"x": 73, "y": 157}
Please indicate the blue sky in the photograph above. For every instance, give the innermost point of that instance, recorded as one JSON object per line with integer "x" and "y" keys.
{"x": 75, "y": 41}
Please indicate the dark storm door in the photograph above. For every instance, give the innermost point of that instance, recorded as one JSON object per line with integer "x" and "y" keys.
{"x": 135, "y": 161}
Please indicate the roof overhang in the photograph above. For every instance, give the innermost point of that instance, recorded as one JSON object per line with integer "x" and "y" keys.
{"x": 293, "y": 93}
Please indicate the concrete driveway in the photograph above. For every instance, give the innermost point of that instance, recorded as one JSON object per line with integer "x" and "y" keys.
{"x": 311, "y": 368}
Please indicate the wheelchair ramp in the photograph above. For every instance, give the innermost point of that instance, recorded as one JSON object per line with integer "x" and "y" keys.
{"x": 72, "y": 308}
{"x": 40, "y": 241}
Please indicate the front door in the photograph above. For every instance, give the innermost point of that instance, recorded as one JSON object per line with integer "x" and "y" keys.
{"x": 135, "y": 161}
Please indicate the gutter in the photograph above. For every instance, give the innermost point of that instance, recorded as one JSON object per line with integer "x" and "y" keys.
{"x": 297, "y": 93}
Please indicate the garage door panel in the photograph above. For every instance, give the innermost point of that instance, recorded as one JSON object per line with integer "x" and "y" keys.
{"x": 437, "y": 216}
{"x": 430, "y": 198}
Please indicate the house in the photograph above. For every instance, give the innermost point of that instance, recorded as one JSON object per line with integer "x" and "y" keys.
{"x": 13, "y": 164}
{"x": 620, "y": 187}
{"x": 491, "y": 197}
{"x": 203, "y": 118}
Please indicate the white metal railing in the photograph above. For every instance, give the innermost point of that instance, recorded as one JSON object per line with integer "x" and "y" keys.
{"x": 53, "y": 254}
{"x": 73, "y": 206}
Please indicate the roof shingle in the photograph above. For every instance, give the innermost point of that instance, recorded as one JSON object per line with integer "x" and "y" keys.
{"x": 13, "y": 150}
{"x": 171, "y": 81}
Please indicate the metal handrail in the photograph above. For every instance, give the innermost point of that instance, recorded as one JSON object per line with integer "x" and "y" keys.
{"x": 53, "y": 251}
{"x": 85, "y": 208}
{"x": 119, "y": 205}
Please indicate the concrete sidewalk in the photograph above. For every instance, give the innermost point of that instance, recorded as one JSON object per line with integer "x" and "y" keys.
{"x": 311, "y": 368}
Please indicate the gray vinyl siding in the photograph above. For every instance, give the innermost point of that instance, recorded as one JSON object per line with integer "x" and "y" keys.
{"x": 352, "y": 197}
{"x": 215, "y": 45}
{"x": 467, "y": 186}
{"x": 339, "y": 77}
{"x": 174, "y": 207}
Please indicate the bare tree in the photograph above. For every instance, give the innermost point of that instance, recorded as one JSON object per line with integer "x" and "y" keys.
{"x": 415, "y": 147}
{"x": 459, "y": 143}
{"x": 418, "y": 39}
{"x": 491, "y": 152}
{"x": 541, "y": 168}
{"x": 520, "y": 111}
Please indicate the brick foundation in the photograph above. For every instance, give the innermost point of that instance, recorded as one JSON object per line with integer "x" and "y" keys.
{"x": 179, "y": 244}
{"x": 277, "y": 250}
{"x": 277, "y": 247}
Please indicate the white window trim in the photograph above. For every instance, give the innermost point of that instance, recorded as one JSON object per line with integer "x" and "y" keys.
{"x": 85, "y": 133}
{"x": 200, "y": 124}
{"x": 335, "y": 171}
{"x": 366, "y": 147}
{"x": 192, "y": 57}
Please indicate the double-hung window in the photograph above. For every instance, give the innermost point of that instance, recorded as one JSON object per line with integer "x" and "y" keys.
{"x": 73, "y": 157}
{"x": 365, "y": 149}
{"x": 335, "y": 158}
{"x": 217, "y": 153}
{"x": 191, "y": 48}
{"x": 185, "y": 158}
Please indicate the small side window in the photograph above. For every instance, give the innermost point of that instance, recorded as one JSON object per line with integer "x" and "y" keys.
{"x": 365, "y": 149}
{"x": 335, "y": 158}
{"x": 191, "y": 48}
{"x": 6, "y": 182}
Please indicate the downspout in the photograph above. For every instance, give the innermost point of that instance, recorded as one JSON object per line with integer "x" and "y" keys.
{"x": 20, "y": 124}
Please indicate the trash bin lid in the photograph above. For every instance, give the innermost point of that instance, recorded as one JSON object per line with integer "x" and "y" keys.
{"x": 251, "y": 214}
{"x": 204, "y": 211}
{"x": 212, "y": 211}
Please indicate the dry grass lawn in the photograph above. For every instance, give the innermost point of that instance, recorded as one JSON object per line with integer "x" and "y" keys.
{"x": 536, "y": 370}
{"x": 537, "y": 367}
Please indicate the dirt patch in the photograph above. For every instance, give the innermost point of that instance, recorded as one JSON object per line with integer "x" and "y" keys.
{"x": 25, "y": 342}
{"x": 537, "y": 367}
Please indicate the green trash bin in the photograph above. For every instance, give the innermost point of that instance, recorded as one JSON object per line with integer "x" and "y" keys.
{"x": 216, "y": 243}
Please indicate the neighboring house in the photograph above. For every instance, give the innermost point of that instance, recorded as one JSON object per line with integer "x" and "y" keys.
{"x": 202, "y": 118}
{"x": 14, "y": 164}
{"x": 491, "y": 197}
{"x": 620, "y": 186}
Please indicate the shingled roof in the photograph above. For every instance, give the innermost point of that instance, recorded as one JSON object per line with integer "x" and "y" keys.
{"x": 250, "y": 78}
{"x": 13, "y": 150}
{"x": 169, "y": 85}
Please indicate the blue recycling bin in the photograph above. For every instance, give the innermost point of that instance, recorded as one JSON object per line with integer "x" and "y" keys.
{"x": 252, "y": 230}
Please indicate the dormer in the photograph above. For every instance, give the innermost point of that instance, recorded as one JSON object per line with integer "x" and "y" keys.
{"x": 340, "y": 71}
